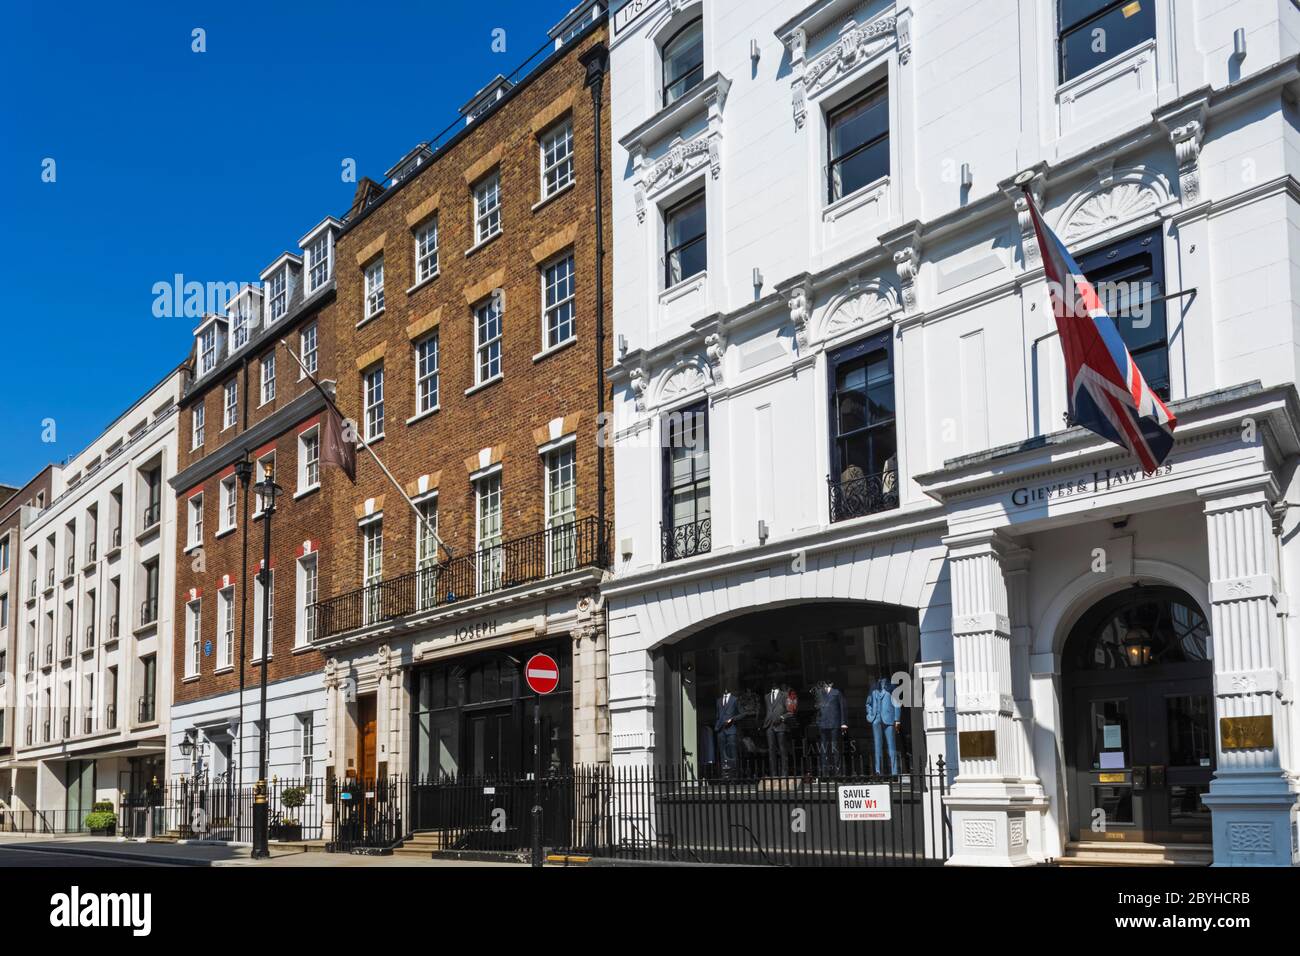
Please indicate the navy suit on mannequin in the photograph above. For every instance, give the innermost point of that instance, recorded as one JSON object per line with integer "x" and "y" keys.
{"x": 884, "y": 716}
{"x": 831, "y": 722}
{"x": 775, "y": 718}
{"x": 725, "y": 728}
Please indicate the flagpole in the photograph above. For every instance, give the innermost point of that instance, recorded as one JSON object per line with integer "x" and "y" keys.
{"x": 419, "y": 515}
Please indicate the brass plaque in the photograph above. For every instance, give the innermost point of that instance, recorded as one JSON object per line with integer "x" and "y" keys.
{"x": 977, "y": 744}
{"x": 1246, "y": 733}
{"x": 1110, "y": 778}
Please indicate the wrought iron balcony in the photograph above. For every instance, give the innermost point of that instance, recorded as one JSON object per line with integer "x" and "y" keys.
{"x": 148, "y": 611}
{"x": 110, "y": 717}
{"x": 687, "y": 540}
{"x": 865, "y": 495}
{"x": 533, "y": 557}
{"x": 145, "y": 710}
{"x": 90, "y": 636}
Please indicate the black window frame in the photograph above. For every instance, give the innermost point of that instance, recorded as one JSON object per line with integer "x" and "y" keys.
{"x": 666, "y": 83}
{"x": 699, "y": 540}
{"x": 881, "y": 87}
{"x": 669, "y": 250}
{"x": 1118, "y": 261}
{"x": 882, "y": 494}
{"x": 1064, "y": 29}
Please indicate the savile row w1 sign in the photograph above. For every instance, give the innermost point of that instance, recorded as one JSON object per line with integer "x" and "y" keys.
{"x": 864, "y": 802}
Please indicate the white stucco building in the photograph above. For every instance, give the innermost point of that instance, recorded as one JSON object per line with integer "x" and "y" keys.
{"x": 821, "y": 259}
{"x": 93, "y": 675}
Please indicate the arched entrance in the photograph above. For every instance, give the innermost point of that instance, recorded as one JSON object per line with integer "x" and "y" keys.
{"x": 1139, "y": 728}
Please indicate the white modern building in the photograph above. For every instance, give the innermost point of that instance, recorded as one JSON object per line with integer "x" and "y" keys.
{"x": 841, "y": 452}
{"x": 93, "y": 686}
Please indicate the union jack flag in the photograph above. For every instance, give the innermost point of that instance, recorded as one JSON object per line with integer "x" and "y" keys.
{"x": 1108, "y": 394}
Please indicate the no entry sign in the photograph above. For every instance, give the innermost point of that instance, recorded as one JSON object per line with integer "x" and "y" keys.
{"x": 542, "y": 673}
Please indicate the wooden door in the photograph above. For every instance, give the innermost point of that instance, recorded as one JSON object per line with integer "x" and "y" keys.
{"x": 367, "y": 767}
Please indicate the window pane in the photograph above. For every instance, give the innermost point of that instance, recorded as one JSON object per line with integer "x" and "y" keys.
{"x": 683, "y": 62}
{"x": 1095, "y": 41}
{"x": 859, "y": 169}
{"x": 859, "y": 123}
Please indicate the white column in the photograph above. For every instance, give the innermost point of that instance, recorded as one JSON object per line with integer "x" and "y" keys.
{"x": 331, "y": 730}
{"x": 1252, "y": 796}
{"x": 989, "y": 798}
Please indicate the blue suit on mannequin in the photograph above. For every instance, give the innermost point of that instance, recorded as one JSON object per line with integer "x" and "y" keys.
{"x": 725, "y": 728}
{"x": 883, "y": 714}
{"x": 832, "y": 721}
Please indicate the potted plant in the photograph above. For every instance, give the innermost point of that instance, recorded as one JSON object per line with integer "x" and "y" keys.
{"x": 289, "y": 827}
{"x": 101, "y": 820}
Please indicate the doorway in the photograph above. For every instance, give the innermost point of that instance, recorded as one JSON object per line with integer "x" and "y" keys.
{"x": 491, "y": 740}
{"x": 367, "y": 761}
{"x": 1139, "y": 705}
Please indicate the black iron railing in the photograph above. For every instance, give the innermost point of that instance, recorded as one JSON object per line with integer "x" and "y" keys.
{"x": 216, "y": 808}
{"x": 152, "y": 515}
{"x": 145, "y": 710}
{"x": 148, "y": 611}
{"x": 533, "y": 557}
{"x": 368, "y": 813}
{"x": 668, "y": 814}
{"x": 686, "y": 540}
{"x": 856, "y": 497}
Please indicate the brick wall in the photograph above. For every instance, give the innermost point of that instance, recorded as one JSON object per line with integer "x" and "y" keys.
{"x": 532, "y": 390}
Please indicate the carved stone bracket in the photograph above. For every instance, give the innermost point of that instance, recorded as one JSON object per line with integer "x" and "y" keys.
{"x": 1186, "y": 127}
{"x": 715, "y": 347}
{"x": 800, "y": 299}
{"x": 1031, "y": 255}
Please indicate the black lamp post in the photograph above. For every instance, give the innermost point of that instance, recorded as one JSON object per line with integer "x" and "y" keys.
{"x": 267, "y": 491}
{"x": 244, "y": 473}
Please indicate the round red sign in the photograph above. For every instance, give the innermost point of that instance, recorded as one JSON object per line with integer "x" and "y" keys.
{"x": 542, "y": 673}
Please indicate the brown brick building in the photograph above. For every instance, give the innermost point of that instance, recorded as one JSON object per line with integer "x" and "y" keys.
{"x": 470, "y": 351}
{"x": 248, "y": 409}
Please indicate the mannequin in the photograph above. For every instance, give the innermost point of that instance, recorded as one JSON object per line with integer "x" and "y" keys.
{"x": 725, "y": 728}
{"x": 832, "y": 721}
{"x": 885, "y": 718}
{"x": 776, "y": 720}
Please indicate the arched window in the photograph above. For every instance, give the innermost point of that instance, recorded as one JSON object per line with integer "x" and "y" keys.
{"x": 1140, "y": 627}
{"x": 683, "y": 58}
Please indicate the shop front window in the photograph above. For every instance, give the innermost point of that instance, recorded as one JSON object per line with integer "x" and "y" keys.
{"x": 473, "y": 718}
{"x": 797, "y": 686}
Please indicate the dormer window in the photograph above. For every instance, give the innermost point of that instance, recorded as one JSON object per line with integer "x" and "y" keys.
{"x": 279, "y": 294}
{"x": 239, "y": 324}
{"x": 208, "y": 349}
{"x": 683, "y": 60}
{"x": 318, "y": 263}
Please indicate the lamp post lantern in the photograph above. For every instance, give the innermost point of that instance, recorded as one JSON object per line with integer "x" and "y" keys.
{"x": 268, "y": 491}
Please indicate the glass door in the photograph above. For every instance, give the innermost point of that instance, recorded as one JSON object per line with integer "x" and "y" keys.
{"x": 1182, "y": 725}
{"x": 1110, "y": 776}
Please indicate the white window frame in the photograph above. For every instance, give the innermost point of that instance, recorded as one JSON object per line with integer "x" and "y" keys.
{"x": 372, "y": 389}
{"x": 487, "y": 208}
{"x": 194, "y": 525}
{"x": 426, "y": 373}
{"x": 426, "y": 251}
{"x": 372, "y": 566}
{"x": 309, "y": 459}
{"x": 315, "y": 259}
{"x": 229, "y": 516}
{"x": 193, "y": 636}
{"x": 374, "y": 303}
{"x": 239, "y": 324}
{"x": 487, "y": 350}
{"x": 230, "y": 404}
{"x": 259, "y": 642}
{"x": 308, "y": 592}
{"x": 307, "y": 744}
{"x": 487, "y": 488}
{"x": 562, "y": 490}
{"x": 310, "y": 333}
{"x": 557, "y": 141}
{"x": 225, "y": 627}
{"x": 561, "y": 304}
{"x": 267, "y": 366}
{"x": 277, "y": 300}
{"x": 426, "y": 550}
{"x": 208, "y": 349}
{"x": 198, "y": 424}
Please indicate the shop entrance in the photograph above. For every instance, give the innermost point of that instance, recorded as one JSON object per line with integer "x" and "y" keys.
{"x": 1139, "y": 707}
{"x": 491, "y": 741}
{"x": 367, "y": 767}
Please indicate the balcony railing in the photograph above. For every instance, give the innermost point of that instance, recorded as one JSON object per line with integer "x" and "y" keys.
{"x": 110, "y": 717}
{"x": 71, "y": 567}
{"x": 112, "y": 627}
{"x": 46, "y": 728}
{"x": 687, "y": 540}
{"x": 116, "y": 538}
{"x": 148, "y": 611}
{"x": 533, "y": 557}
{"x": 152, "y": 514}
{"x": 92, "y": 552}
{"x": 88, "y": 723}
{"x": 90, "y": 637}
{"x": 67, "y": 645}
{"x": 49, "y": 578}
{"x": 856, "y": 497}
{"x": 145, "y": 710}
{"x": 49, "y": 653}
{"x": 67, "y": 726}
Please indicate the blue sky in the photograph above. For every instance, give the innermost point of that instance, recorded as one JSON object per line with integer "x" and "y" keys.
{"x": 207, "y": 164}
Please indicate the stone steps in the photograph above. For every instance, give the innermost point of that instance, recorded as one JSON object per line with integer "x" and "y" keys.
{"x": 1136, "y": 854}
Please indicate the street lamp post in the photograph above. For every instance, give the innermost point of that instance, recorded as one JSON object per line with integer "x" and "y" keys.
{"x": 268, "y": 491}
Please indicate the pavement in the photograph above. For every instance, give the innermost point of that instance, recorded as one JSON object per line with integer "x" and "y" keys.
{"x": 45, "y": 851}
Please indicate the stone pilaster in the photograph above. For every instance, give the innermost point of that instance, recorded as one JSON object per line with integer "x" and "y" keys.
{"x": 332, "y": 695}
{"x": 590, "y": 683}
{"x": 989, "y": 799}
{"x": 1253, "y": 795}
